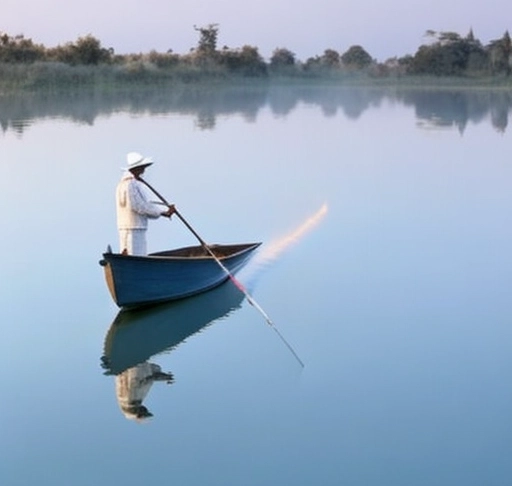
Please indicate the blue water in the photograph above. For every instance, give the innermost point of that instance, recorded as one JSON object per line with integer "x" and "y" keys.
{"x": 386, "y": 265}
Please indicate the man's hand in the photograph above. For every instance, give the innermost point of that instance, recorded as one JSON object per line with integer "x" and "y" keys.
{"x": 170, "y": 211}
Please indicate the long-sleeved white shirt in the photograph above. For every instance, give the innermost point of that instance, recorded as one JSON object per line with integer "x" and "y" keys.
{"x": 133, "y": 207}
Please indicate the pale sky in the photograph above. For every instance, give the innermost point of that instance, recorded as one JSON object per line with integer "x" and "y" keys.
{"x": 384, "y": 28}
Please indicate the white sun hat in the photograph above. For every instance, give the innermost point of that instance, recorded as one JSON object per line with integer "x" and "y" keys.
{"x": 135, "y": 159}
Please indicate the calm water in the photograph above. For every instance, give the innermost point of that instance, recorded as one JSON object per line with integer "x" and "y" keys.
{"x": 386, "y": 220}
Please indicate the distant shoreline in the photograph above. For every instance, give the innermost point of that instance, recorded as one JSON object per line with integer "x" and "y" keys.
{"x": 43, "y": 77}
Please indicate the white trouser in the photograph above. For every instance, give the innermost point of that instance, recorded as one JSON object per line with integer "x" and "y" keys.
{"x": 133, "y": 241}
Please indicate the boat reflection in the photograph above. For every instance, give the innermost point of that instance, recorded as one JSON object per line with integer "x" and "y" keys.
{"x": 135, "y": 336}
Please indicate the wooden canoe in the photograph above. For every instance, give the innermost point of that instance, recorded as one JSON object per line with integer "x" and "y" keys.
{"x": 135, "y": 281}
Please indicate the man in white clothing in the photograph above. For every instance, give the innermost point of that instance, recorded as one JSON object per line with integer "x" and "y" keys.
{"x": 133, "y": 207}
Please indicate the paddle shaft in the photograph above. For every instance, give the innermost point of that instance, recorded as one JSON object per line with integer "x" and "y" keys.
{"x": 235, "y": 281}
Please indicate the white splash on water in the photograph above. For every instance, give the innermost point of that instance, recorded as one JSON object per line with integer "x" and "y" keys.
{"x": 273, "y": 250}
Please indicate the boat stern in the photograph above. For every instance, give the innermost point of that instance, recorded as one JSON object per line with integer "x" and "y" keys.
{"x": 109, "y": 275}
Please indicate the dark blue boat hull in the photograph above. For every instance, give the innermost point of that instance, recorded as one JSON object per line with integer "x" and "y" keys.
{"x": 136, "y": 281}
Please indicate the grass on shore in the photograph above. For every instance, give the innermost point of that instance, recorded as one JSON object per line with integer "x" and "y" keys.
{"x": 56, "y": 77}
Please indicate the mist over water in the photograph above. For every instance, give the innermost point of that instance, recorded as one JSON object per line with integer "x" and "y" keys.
{"x": 437, "y": 108}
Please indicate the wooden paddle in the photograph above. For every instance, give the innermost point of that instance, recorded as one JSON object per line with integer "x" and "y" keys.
{"x": 235, "y": 281}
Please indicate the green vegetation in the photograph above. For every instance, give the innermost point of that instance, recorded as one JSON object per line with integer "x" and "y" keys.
{"x": 26, "y": 66}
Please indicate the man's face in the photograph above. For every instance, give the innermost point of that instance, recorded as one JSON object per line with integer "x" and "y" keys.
{"x": 138, "y": 171}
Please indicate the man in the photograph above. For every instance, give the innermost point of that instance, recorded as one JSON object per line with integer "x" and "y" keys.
{"x": 133, "y": 207}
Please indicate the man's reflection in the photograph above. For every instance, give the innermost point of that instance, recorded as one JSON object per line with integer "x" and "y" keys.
{"x": 133, "y": 385}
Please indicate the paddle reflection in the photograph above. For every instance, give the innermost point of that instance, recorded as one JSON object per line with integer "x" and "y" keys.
{"x": 135, "y": 336}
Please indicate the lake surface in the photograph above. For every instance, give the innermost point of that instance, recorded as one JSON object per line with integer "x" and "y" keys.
{"x": 386, "y": 222}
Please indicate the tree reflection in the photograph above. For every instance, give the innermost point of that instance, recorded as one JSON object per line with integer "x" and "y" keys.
{"x": 434, "y": 108}
{"x": 457, "y": 108}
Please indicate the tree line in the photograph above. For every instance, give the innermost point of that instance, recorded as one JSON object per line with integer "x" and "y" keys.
{"x": 445, "y": 54}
